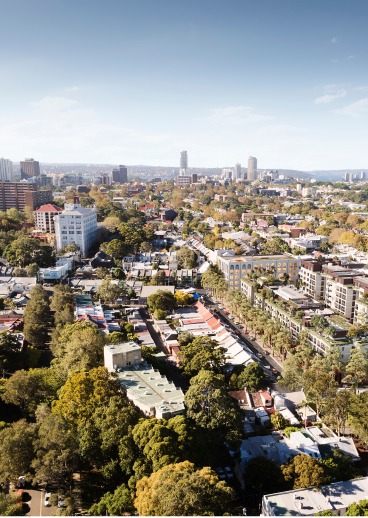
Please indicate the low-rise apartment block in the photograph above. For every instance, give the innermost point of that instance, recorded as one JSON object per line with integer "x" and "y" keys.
{"x": 145, "y": 387}
{"x": 236, "y": 267}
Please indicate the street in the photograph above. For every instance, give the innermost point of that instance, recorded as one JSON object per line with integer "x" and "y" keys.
{"x": 36, "y": 503}
{"x": 253, "y": 345}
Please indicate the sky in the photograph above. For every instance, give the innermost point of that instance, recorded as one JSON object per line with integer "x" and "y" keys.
{"x": 135, "y": 82}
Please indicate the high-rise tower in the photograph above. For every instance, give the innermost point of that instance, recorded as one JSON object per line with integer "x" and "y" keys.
{"x": 29, "y": 168}
{"x": 183, "y": 163}
{"x": 237, "y": 172}
{"x": 6, "y": 170}
{"x": 252, "y": 168}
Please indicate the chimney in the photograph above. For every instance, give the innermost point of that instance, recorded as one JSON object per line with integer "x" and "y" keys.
{"x": 76, "y": 200}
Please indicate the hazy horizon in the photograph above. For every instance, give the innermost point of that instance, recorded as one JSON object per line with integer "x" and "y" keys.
{"x": 133, "y": 82}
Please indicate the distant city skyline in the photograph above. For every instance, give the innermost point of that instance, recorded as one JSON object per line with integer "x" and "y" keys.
{"x": 162, "y": 84}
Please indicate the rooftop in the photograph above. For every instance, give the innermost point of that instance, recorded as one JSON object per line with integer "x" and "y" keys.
{"x": 151, "y": 388}
{"x": 124, "y": 347}
{"x": 49, "y": 208}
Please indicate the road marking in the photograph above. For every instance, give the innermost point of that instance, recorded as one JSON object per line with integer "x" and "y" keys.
{"x": 41, "y": 503}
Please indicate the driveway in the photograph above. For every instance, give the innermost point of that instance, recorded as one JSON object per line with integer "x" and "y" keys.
{"x": 175, "y": 376}
{"x": 36, "y": 503}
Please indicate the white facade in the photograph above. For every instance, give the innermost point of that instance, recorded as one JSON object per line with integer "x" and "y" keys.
{"x": 44, "y": 217}
{"x": 54, "y": 272}
{"x": 252, "y": 168}
{"x": 183, "y": 163}
{"x": 76, "y": 225}
{"x": 237, "y": 172}
{"x": 6, "y": 170}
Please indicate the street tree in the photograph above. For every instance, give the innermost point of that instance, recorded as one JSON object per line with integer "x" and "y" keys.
{"x": 83, "y": 393}
{"x": 111, "y": 290}
{"x": 201, "y": 353}
{"x": 62, "y": 303}
{"x": 181, "y": 490}
{"x": 17, "y": 451}
{"x": 9, "y": 349}
{"x": 101, "y": 437}
{"x": 118, "y": 503}
{"x": 358, "y": 416}
{"x": 162, "y": 299}
{"x": 77, "y": 346}
{"x": 357, "y": 508}
{"x": 303, "y": 471}
{"x": 37, "y": 317}
{"x": 56, "y": 452}
{"x": 187, "y": 258}
{"x": 208, "y": 403}
{"x": 262, "y": 473}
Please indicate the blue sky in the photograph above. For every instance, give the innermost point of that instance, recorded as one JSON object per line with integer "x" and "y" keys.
{"x": 137, "y": 81}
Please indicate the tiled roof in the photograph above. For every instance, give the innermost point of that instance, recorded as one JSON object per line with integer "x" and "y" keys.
{"x": 49, "y": 208}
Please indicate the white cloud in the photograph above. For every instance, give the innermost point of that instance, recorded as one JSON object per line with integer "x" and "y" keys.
{"x": 235, "y": 115}
{"x": 356, "y": 110}
{"x": 330, "y": 97}
{"x": 334, "y": 40}
{"x": 72, "y": 89}
{"x": 361, "y": 88}
{"x": 54, "y": 103}
{"x": 350, "y": 57}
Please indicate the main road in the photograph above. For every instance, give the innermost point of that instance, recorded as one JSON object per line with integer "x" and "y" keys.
{"x": 264, "y": 357}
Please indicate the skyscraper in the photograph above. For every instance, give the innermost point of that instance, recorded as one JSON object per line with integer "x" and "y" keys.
{"x": 6, "y": 170}
{"x": 29, "y": 168}
{"x": 351, "y": 177}
{"x": 346, "y": 176}
{"x": 120, "y": 175}
{"x": 252, "y": 168}
{"x": 183, "y": 163}
{"x": 237, "y": 172}
{"x": 362, "y": 175}
{"x": 123, "y": 174}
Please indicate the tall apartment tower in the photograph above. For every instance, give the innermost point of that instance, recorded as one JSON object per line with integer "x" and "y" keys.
{"x": 252, "y": 168}
{"x": 76, "y": 225}
{"x": 6, "y": 170}
{"x": 183, "y": 163}
{"x": 346, "y": 177}
{"x": 362, "y": 175}
{"x": 120, "y": 175}
{"x": 29, "y": 168}
{"x": 237, "y": 172}
{"x": 351, "y": 177}
{"x": 123, "y": 171}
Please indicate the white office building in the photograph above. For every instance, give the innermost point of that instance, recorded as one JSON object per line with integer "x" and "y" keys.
{"x": 76, "y": 225}
{"x": 237, "y": 172}
{"x": 6, "y": 170}
{"x": 252, "y": 168}
{"x": 183, "y": 163}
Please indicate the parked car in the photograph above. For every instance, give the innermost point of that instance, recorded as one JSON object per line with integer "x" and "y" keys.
{"x": 47, "y": 499}
{"x": 274, "y": 371}
{"x": 61, "y": 502}
{"x": 229, "y": 473}
{"x": 236, "y": 322}
{"x": 221, "y": 473}
{"x": 226, "y": 312}
{"x": 267, "y": 367}
{"x": 259, "y": 355}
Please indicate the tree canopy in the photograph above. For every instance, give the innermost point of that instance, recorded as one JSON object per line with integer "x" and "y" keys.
{"x": 181, "y": 490}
